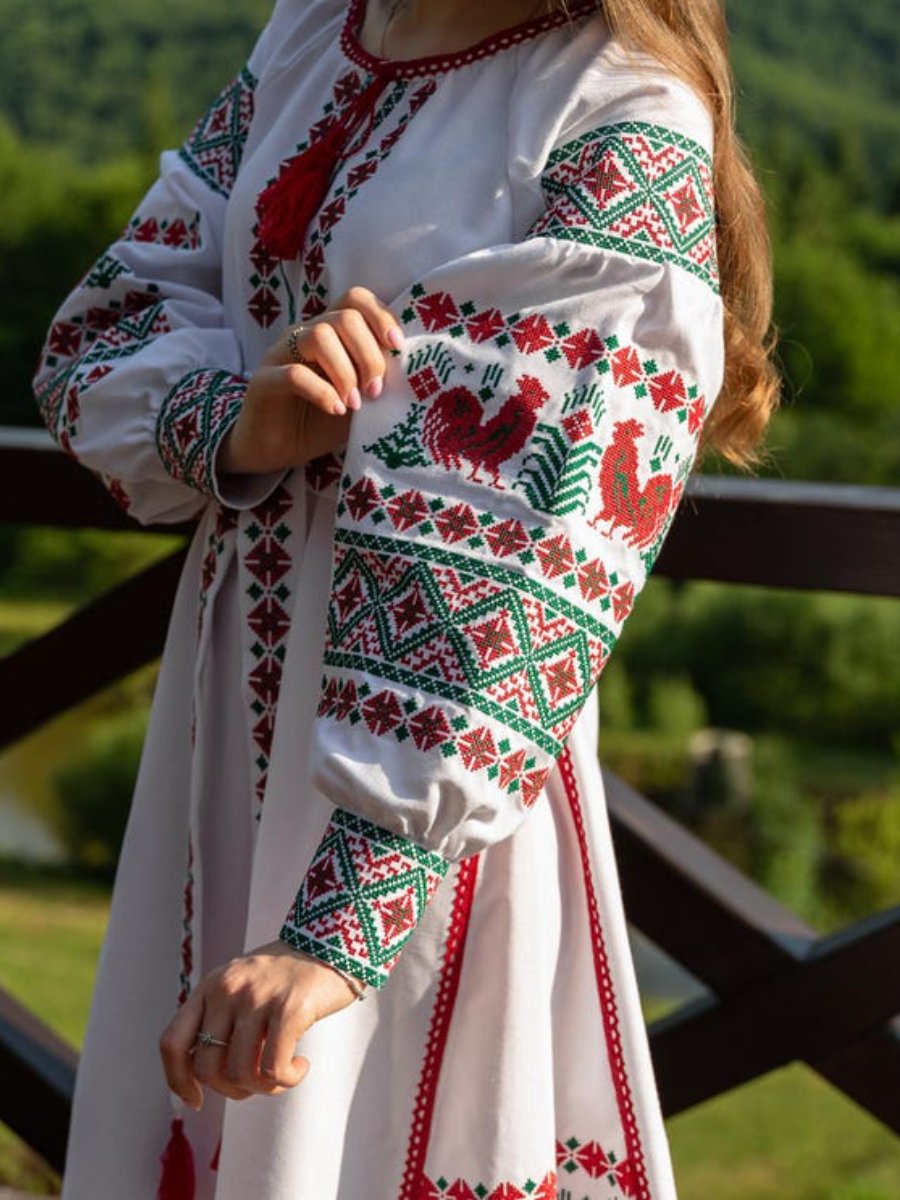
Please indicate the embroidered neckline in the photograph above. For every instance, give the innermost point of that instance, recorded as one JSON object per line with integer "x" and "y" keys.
{"x": 435, "y": 64}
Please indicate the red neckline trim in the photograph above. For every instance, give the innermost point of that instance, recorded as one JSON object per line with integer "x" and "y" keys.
{"x": 436, "y": 63}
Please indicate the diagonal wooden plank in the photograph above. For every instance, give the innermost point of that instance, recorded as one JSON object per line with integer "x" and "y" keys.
{"x": 733, "y": 936}
{"x": 40, "y": 485}
{"x": 63, "y": 667}
{"x": 37, "y": 1079}
{"x": 846, "y": 988}
{"x": 716, "y": 922}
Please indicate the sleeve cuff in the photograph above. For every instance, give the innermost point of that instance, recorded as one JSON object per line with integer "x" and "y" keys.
{"x": 363, "y": 896}
{"x": 193, "y": 420}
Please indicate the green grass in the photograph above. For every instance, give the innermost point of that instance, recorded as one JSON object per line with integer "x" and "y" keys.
{"x": 789, "y": 1136}
{"x": 51, "y": 927}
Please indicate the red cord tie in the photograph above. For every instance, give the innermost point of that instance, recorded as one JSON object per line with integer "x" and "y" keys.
{"x": 287, "y": 206}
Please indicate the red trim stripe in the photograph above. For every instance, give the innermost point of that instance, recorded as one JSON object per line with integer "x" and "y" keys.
{"x": 413, "y": 1184}
{"x": 434, "y": 64}
{"x": 637, "y": 1173}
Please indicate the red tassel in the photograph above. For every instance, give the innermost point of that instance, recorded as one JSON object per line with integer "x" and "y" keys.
{"x": 286, "y": 207}
{"x": 178, "y": 1180}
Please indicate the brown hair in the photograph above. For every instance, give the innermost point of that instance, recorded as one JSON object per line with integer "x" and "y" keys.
{"x": 690, "y": 37}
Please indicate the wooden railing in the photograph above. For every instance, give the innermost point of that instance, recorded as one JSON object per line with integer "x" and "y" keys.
{"x": 778, "y": 991}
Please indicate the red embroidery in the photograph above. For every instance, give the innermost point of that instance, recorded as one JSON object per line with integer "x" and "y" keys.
{"x": 391, "y": 713}
{"x": 437, "y": 63}
{"x": 363, "y": 896}
{"x": 269, "y": 567}
{"x": 216, "y": 145}
{"x": 414, "y": 1182}
{"x": 641, "y": 512}
{"x": 637, "y": 189}
{"x": 455, "y": 428}
{"x": 175, "y": 233}
{"x": 631, "y": 1173}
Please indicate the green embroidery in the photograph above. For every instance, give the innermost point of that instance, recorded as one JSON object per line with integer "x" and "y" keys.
{"x": 216, "y": 145}
{"x": 638, "y": 189}
{"x": 362, "y": 897}
{"x": 540, "y": 657}
{"x": 558, "y": 475}
{"x": 192, "y": 421}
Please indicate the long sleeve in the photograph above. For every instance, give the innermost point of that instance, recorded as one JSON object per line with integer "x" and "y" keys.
{"x": 500, "y": 511}
{"x": 140, "y": 378}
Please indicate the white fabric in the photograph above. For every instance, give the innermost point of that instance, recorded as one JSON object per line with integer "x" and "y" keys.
{"x": 546, "y": 1067}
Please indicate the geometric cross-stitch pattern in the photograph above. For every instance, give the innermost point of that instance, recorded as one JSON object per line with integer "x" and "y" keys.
{"x": 214, "y": 149}
{"x": 403, "y": 716}
{"x": 345, "y": 191}
{"x": 192, "y": 421}
{"x": 81, "y": 348}
{"x": 476, "y": 633}
{"x": 636, "y": 188}
{"x": 581, "y": 1166}
{"x": 267, "y": 574}
{"x": 501, "y": 621}
{"x": 461, "y": 1189}
{"x": 363, "y": 896}
{"x": 559, "y": 563}
{"x": 576, "y": 1159}
{"x": 176, "y": 233}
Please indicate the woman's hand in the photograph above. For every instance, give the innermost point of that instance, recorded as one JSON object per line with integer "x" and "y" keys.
{"x": 259, "y": 1004}
{"x": 295, "y": 411}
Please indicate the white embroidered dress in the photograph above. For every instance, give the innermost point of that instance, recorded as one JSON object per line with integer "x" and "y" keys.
{"x": 375, "y": 727}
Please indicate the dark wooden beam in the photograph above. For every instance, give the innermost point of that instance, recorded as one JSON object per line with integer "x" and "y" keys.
{"x": 774, "y": 532}
{"x": 716, "y": 922}
{"x": 786, "y": 533}
{"x": 111, "y": 637}
{"x": 37, "y": 1080}
{"x": 845, "y": 988}
{"x": 39, "y": 485}
{"x": 739, "y": 941}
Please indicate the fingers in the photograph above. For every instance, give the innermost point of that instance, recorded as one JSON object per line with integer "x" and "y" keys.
{"x": 330, "y": 345}
{"x": 382, "y": 322}
{"x": 278, "y": 1065}
{"x": 348, "y": 345}
{"x": 175, "y": 1046}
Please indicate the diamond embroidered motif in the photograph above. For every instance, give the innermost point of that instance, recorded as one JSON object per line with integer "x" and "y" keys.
{"x": 364, "y": 894}
{"x": 636, "y": 188}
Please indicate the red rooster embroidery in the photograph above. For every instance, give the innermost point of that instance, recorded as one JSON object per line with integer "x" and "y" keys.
{"x": 455, "y": 430}
{"x": 640, "y": 511}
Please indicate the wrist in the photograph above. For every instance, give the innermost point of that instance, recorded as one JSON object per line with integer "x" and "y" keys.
{"x": 357, "y": 987}
{"x": 230, "y": 459}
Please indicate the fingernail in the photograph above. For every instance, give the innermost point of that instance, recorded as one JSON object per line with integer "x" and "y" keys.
{"x": 339, "y": 408}
{"x": 395, "y": 337}
{"x": 354, "y": 399}
{"x": 374, "y": 387}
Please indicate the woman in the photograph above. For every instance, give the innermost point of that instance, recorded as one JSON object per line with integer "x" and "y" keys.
{"x": 424, "y": 325}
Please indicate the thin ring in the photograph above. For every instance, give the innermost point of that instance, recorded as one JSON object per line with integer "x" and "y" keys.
{"x": 294, "y": 334}
{"x": 205, "y": 1038}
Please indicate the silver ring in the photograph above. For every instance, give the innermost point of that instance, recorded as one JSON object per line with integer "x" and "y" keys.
{"x": 293, "y": 334}
{"x": 206, "y": 1039}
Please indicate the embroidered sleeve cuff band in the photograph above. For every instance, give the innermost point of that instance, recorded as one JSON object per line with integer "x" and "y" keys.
{"x": 363, "y": 896}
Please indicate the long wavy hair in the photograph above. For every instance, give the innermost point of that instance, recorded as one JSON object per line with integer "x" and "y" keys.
{"x": 690, "y": 37}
